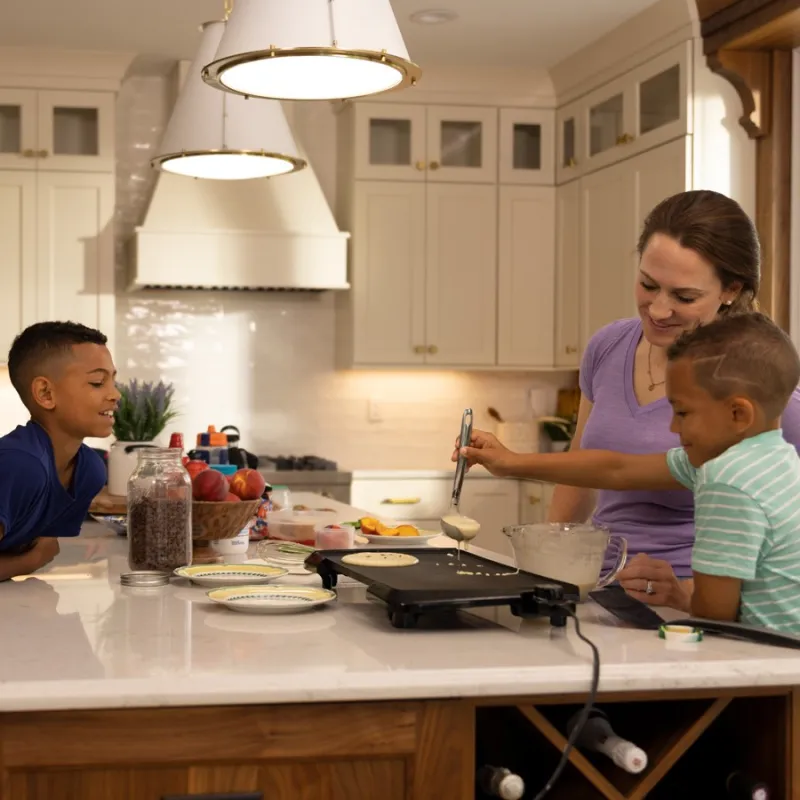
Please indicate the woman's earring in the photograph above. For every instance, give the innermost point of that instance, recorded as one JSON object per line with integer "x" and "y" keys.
{"x": 728, "y": 302}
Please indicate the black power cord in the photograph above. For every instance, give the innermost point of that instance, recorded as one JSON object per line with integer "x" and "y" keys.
{"x": 584, "y": 712}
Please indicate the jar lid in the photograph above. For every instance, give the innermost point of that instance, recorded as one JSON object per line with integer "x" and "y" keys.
{"x": 144, "y": 578}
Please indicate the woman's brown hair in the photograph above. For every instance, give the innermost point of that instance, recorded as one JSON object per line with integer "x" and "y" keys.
{"x": 716, "y": 228}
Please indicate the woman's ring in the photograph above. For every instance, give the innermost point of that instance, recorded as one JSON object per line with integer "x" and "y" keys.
{"x": 649, "y": 588}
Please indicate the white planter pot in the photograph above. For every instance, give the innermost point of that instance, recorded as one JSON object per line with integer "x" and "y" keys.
{"x": 122, "y": 460}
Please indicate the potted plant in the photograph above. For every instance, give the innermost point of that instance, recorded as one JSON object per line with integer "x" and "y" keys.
{"x": 145, "y": 409}
{"x": 559, "y": 431}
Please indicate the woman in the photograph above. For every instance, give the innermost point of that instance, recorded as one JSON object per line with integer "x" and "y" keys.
{"x": 699, "y": 256}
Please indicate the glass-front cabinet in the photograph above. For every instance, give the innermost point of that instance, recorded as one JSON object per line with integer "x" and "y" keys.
{"x": 642, "y": 109}
{"x": 526, "y": 146}
{"x": 425, "y": 143}
{"x": 56, "y": 130}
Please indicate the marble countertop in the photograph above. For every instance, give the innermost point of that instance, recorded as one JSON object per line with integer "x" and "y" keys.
{"x": 74, "y": 638}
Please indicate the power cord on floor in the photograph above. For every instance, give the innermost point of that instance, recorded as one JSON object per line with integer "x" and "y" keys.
{"x": 584, "y": 713}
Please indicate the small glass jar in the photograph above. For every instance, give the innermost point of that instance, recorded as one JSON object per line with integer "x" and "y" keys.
{"x": 159, "y": 512}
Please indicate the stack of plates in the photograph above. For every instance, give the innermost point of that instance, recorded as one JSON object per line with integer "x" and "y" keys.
{"x": 212, "y": 575}
{"x": 286, "y": 555}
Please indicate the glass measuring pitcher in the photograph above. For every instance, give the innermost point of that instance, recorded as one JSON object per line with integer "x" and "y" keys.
{"x": 572, "y": 552}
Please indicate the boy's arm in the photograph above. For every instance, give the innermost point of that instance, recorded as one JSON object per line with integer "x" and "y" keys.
{"x": 41, "y": 552}
{"x": 729, "y": 532}
{"x": 596, "y": 469}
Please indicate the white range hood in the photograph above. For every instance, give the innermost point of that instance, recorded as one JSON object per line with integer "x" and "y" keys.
{"x": 271, "y": 233}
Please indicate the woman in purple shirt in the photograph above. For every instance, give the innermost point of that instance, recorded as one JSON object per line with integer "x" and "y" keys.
{"x": 699, "y": 256}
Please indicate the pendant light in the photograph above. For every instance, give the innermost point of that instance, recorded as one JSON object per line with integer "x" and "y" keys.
{"x": 311, "y": 50}
{"x": 221, "y": 136}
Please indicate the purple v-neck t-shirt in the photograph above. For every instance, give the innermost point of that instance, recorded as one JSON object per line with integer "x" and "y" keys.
{"x": 660, "y": 524}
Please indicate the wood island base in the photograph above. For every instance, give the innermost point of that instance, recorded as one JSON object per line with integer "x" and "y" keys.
{"x": 422, "y": 750}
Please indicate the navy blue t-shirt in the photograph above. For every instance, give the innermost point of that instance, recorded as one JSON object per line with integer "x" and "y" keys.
{"x": 33, "y": 502}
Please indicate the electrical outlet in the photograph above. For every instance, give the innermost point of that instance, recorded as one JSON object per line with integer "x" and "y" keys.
{"x": 375, "y": 411}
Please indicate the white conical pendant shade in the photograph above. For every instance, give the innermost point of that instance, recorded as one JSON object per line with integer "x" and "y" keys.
{"x": 311, "y": 50}
{"x": 214, "y": 134}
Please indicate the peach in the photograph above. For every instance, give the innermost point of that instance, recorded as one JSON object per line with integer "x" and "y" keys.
{"x": 248, "y": 484}
{"x": 210, "y": 486}
{"x": 232, "y": 498}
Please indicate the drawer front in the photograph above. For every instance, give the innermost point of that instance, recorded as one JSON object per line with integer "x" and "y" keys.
{"x": 403, "y": 499}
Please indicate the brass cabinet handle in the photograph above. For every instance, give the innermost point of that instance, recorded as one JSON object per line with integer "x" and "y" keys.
{"x": 571, "y": 163}
{"x": 625, "y": 138}
{"x": 43, "y": 154}
{"x": 420, "y": 349}
{"x": 570, "y": 350}
{"x": 420, "y": 165}
{"x": 534, "y": 501}
{"x": 433, "y": 349}
{"x": 434, "y": 165}
{"x": 401, "y": 501}
{"x": 28, "y": 153}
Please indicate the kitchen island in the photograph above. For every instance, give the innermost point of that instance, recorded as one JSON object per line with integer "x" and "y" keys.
{"x": 113, "y": 692}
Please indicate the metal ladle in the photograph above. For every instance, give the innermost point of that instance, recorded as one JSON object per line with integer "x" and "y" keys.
{"x": 454, "y": 524}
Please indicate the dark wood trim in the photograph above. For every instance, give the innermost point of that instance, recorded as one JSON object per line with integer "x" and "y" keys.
{"x": 717, "y": 14}
{"x": 773, "y": 193}
{"x": 729, "y": 27}
{"x": 750, "y": 73}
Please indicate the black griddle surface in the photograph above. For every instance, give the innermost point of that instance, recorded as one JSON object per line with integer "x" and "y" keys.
{"x": 434, "y": 584}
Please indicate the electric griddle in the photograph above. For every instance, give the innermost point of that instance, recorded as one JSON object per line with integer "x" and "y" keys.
{"x": 445, "y": 580}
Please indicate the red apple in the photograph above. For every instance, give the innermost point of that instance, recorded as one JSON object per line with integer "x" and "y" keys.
{"x": 210, "y": 486}
{"x": 232, "y": 498}
{"x": 248, "y": 484}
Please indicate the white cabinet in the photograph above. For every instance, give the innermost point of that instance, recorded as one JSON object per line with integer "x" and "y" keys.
{"x": 526, "y": 276}
{"x": 57, "y": 259}
{"x": 494, "y": 503}
{"x": 568, "y": 276}
{"x": 526, "y": 146}
{"x": 56, "y": 130}
{"x": 420, "y": 256}
{"x": 639, "y": 110}
{"x": 599, "y": 220}
{"x": 419, "y": 143}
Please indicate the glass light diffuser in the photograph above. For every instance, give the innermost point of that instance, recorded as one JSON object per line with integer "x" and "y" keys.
{"x": 221, "y": 136}
{"x": 311, "y": 50}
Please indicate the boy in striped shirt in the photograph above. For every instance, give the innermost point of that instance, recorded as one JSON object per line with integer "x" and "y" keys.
{"x": 728, "y": 383}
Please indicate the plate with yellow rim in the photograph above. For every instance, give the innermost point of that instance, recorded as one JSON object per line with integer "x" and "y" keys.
{"x": 271, "y": 599}
{"x": 217, "y": 575}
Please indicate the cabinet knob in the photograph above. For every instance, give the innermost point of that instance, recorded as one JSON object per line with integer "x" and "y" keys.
{"x": 625, "y": 138}
{"x": 570, "y": 350}
{"x": 42, "y": 154}
{"x": 420, "y": 349}
{"x": 534, "y": 501}
{"x": 571, "y": 162}
{"x": 434, "y": 165}
{"x": 433, "y": 349}
{"x": 420, "y": 165}
{"x": 28, "y": 153}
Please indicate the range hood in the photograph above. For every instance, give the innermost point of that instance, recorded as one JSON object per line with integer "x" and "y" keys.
{"x": 266, "y": 234}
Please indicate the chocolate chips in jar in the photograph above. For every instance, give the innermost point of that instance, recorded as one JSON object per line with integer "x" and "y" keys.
{"x": 159, "y": 533}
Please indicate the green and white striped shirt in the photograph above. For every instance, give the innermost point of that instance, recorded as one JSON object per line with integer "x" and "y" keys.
{"x": 747, "y": 524}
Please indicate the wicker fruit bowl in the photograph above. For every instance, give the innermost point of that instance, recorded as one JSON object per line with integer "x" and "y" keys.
{"x": 212, "y": 521}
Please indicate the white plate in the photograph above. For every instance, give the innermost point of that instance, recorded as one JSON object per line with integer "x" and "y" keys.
{"x": 291, "y": 569}
{"x": 271, "y": 599}
{"x": 402, "y": 541}
{"x": 214, "y": 575}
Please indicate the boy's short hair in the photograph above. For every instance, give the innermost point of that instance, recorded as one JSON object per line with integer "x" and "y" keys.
{"x": 38, "y": 344}
{"x": 744, "y": 354}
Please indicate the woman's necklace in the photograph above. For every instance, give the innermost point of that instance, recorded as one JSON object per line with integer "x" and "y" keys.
{"x": 653, "y": 383}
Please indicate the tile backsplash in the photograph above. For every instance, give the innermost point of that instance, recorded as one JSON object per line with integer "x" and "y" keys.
{"x": 265, "y": 362}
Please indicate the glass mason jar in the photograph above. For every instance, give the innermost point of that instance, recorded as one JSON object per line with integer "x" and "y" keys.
{"x": 159, "y": 512}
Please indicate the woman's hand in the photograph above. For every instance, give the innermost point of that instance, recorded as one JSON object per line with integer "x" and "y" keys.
{"x": 487, "y": 451}
{"x": 666, "y": 588}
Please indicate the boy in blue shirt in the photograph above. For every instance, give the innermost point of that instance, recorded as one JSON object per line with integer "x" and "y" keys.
{"x": 64, "y": 374}
{"x": 728, "y": 383}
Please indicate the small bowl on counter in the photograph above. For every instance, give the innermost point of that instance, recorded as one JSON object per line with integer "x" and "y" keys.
{"x": 298, "y": 526}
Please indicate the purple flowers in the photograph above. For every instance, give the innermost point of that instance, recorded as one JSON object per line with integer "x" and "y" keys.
{"x": 145, "y": 409}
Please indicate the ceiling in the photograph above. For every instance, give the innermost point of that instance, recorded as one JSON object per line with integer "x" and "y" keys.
{"x": 526, "y": 33}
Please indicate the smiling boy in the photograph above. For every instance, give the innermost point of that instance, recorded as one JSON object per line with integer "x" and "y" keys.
{"x": 728, "y": 383}
{"x": 64, "y": 374}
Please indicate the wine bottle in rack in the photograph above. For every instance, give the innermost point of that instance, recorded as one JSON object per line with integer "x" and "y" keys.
{"x": 598, "y": 735}
{"x": 500, "y": 782}
{"x": 740, "y": 786}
